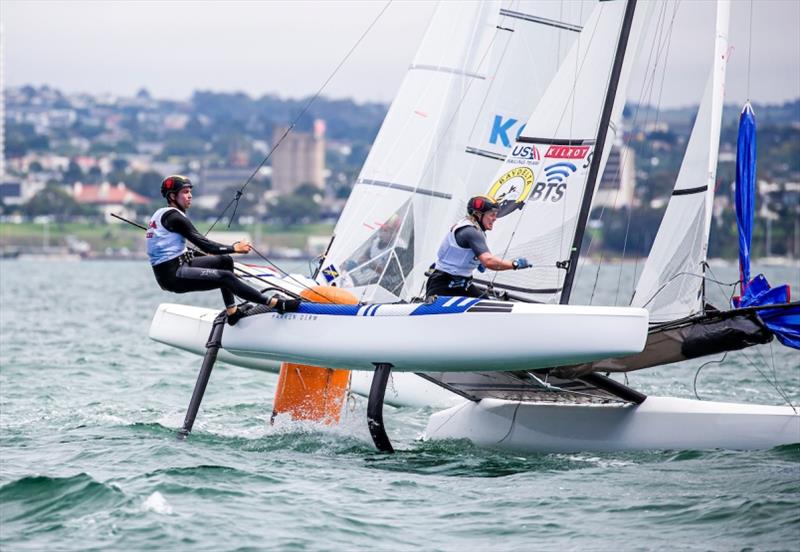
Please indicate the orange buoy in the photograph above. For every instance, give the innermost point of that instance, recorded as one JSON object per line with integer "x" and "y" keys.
{"x": 311, "y": 392}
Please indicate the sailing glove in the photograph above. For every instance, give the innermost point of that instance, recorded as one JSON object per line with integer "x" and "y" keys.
{"x": 522, "y": 262}
{"x": 481, "y": 268}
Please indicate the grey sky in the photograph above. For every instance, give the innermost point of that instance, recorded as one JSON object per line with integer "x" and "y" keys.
{"x": 290, "y": 48}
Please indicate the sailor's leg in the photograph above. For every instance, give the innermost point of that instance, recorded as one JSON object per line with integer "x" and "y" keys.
{"x": 221, "y": 262}
{"x": 203, "y": 274}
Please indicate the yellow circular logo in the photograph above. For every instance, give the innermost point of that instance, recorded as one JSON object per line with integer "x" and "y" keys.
{"x": 512, "y": 189}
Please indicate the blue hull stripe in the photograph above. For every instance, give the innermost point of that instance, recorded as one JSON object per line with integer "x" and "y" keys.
{"x": 442, "y": 305}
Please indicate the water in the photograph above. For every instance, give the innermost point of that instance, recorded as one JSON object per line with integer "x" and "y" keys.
{"x": 88, "y": 460}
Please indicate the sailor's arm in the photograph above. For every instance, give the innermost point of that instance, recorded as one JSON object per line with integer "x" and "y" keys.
{"x": 475, "y": 240}
{"x": 493, "y": 262}
{"x": 175, "y": 222}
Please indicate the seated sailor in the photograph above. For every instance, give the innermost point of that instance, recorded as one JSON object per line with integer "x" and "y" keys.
{"x": 178, "y": 271}
{"x": 464, "y": 249}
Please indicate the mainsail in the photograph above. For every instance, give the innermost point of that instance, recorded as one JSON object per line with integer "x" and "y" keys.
{"x": 671, "y": 284}
{"x": 477, "y": 76}
{"x": 542, "y": 185}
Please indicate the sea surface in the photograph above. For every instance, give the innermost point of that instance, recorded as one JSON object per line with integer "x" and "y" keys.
{"x": 89, "y": 407}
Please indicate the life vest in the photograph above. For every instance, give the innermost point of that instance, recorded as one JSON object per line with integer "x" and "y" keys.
{"x": 454, "y": 259}
{"x": 163, "y": 245}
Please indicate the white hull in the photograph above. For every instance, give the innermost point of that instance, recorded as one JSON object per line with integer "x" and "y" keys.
{"x": 658, "y": 423}
{"x": 187, "y": 328}
{"x": 525, "y": 336}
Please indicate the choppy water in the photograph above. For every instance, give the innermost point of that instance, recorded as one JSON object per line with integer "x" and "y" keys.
{"x": 88, "y": 458}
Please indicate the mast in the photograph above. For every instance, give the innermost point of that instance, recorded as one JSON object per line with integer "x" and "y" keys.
{"x": 591, "y": 181}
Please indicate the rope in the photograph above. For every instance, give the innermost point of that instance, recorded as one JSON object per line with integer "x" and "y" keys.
{"x": 289, "y": 276}
{"x": 694, "y": 384}
{"x": 240, "y": 191}
{"x": 701, "y": 276}
{"x": 749, "y": 49}
{"x": 646, "y": 91}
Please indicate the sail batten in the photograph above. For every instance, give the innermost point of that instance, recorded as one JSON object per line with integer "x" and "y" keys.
{"x": 541, "y": 20}
{"x": 404, "y": 187}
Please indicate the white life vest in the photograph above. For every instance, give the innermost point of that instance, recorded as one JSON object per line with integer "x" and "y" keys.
{"x": 163, "y": 245}
{"x": 454, "y": 259}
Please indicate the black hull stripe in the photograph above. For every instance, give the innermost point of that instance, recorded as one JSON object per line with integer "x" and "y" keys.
{"x": 690, "y": 191}
{"x": 403, "y": 187}
{"x": 484, "y": 153}
{"x": 450, "y": 70}
{"x": 488, "y": 309}
{"x": 493, "y": 304}
{"x": 557, "y": 141}
{"x": 517, "y": 288}
{"x": 541, "y": 20}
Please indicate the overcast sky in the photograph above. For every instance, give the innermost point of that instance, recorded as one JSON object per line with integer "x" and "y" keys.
{"x": 290, "y": 48}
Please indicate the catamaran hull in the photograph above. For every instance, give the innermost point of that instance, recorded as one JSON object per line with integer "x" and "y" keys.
{"x": 659, "y": 423}
{"x": 187, "y": 328}
{"x": 451, "y": 335}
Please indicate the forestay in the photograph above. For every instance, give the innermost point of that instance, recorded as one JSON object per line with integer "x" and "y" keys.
{"x": 541, "y": 185}
{"x": 671, "y": 284}
{"x": 479, "y": 72}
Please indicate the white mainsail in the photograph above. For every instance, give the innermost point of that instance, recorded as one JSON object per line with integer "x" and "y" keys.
{"x": 476, "y": 78}
{"x": 541, "y": 185}
{"x": 671, "y": 284}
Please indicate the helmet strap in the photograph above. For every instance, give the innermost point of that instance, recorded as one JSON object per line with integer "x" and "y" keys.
{"x": 172, "y": 201}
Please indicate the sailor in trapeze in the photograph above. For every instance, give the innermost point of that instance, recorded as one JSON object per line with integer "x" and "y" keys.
{"x": 464, "y": 250}
{"x": 178, "y": 270}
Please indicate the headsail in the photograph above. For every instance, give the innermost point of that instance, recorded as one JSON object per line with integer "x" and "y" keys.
{"x": 474, "y": 81}
{"x": 541, "y": 185}
{"x": 671, "y": 284}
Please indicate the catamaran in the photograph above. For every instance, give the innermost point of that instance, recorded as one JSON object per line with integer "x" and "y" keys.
{"x": 544, "y": 386}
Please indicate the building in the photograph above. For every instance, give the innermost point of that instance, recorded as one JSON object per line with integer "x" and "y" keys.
{"x": 109, "y": 198}
{"x": 300, "y": 158}
{"x": 617, "y": 186}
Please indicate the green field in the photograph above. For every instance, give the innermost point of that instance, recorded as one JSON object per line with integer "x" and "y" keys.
{"x": 103, "y": 236}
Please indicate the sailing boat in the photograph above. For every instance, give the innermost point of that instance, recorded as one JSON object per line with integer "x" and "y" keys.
{"x": 552, "y": 400}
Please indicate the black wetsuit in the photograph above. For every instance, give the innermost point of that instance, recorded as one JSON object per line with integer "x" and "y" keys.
{"x": 442, "y": 283}
{"x": 202, "y": 273}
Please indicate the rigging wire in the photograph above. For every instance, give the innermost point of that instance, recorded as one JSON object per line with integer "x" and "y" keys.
{"x": 657, "y": 115}
{"x": 240, "y": 191}
{"x": 434, "y": 155}
{"x": 774, "y": 383}
{"x": 695, "y": 275}
{"x": 749, "y": 49}
{"x": 697, "y": 373}
{"x": 658, "y": 46}
{"x": 289, "y": 276}
{"x": 653, "y": 47}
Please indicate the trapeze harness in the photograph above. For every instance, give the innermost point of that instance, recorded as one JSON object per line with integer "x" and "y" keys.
{"x": 178, "y": 270}
{"x": 454, "y": 266}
